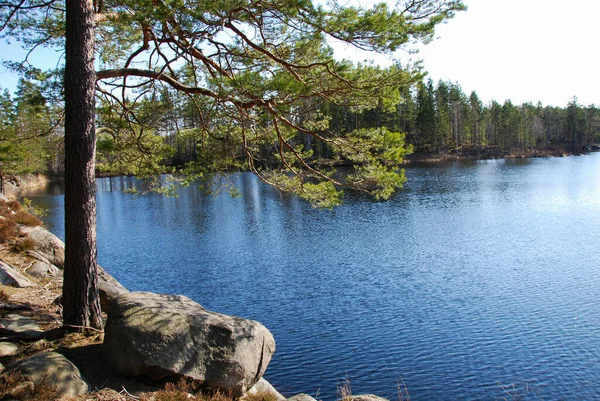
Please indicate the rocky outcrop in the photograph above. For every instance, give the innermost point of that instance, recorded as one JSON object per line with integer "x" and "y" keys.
{"x": 18, "y": 327}
{"x": 54, "y": 369}
{"x": 41, "y": 269}
{"x": 8, "y": 349}
{"x": 170, "y": 336}
{"x": 109, "y": 288}
{"x": 302, "y": 397}
{"x": 49, "y": 254}
{"x": 12, "y": 277}
{"x": 364, "y": 397}
{"x": 263, "y": 386}
{"x": 47, "y": 244}
{"x": 12, "y": 186}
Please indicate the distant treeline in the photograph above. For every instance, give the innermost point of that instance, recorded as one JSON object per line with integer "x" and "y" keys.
{"x": 174, "y": 129}
{"x": 440, "y": 119}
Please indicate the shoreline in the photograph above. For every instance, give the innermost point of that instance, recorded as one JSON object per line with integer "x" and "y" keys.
{"x": 413, "y": 159}
{"x": 39, "y": 359}
{"x": 433, "y": 158}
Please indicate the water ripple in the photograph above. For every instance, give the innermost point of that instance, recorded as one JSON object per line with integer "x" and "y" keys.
{"x": 475, "y": 280}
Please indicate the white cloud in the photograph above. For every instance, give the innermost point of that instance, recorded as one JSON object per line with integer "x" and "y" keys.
{"x": 525, "y": 50}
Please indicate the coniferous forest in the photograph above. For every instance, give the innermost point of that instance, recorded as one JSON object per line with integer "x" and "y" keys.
{"x": 439, "y": 120}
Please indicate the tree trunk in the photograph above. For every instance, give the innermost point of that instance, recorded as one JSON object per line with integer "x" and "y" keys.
{"x": 81, "y": 303}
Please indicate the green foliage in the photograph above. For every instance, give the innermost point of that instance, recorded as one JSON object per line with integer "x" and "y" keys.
{"x": 376, "y": 145}
{"x": 379, "y": 180}
{"x": 133, "y": 153}
{"x": 126, "y": 148}
{"x": 253, "y": 76}
{"x": 26, "y": 123}
{"x": 320, "y": 194}
{"x": 32, "y": 209}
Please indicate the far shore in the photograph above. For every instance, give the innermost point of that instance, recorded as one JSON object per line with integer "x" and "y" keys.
{"x": 39, "y": 179}
{"x": 427, "y": 158}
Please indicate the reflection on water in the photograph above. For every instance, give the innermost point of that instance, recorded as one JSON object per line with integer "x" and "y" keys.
{"x": 475, "y": 274}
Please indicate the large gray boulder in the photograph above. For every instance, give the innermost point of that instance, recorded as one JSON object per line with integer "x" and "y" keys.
{"x": 47, "y": 244}
{"x": 109, "y": 288}
{"x": 42, "y": 269}
{"x": 55, "y": 369}
{"x": 50, "y": 250}
{"x": 19, "y": 327}
{"x": 50, "y": 254}
{"x": 12, "y": 277}
{"x": 171, "y": 336}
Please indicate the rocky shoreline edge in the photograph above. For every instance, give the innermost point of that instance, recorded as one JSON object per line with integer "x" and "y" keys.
{"x": 149, "y": 341}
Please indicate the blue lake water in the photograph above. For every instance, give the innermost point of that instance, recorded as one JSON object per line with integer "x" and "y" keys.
{"x": 476, "y": 280}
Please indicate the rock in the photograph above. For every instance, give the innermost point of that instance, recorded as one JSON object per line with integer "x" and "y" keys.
{"x": 38, "y": 256}
{"x": 33, "y": 180}
{"x": 263, "y": 386}
{"x": 20, "y": 327}
{"x": 50, "y": 250}
{"x": 42, "y": 269}
{"x": 109, "y": 288}
{"x": 302, "y": 397}
{"x": 56, "y": 370}
{"x": 171, "y": 336}
{"x": 8, "y": 349}
{"x": 13, "y": 186}
{"x": 22, "y": 391}
{"x": 364, "y": 397}
{"x": 10, "y": 186}
{"x": 46, "y": 243}
{"x": 12, "y": 277}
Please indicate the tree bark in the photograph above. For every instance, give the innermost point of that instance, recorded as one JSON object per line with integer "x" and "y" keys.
{"x": 81, "y": 303}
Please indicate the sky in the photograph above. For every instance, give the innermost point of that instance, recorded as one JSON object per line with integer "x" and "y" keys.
{"x": 522, "y": 50}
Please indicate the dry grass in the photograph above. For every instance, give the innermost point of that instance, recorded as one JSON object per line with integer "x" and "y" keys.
{"x": 24, "y": 244}
{"x": 513, "y": 392}
{"x": 188, "y": 390}
{"x": 403, "y": 394}
{"x": 12, "y": 214}
{"x": 27, "y": 219}
{"x": 344, "y": 391}
{"x": 103, "y": 395}
{"x": 81, "y": 339}
{"x": 16, "y": 386}
{"x": 8, "y": 229}
{"x": 261, "y": 396}
{"x": 35, "y": 348}
{"x": 183, "y": 391}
